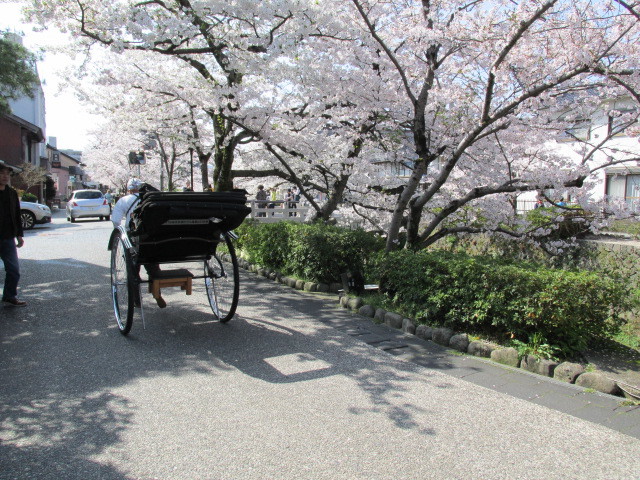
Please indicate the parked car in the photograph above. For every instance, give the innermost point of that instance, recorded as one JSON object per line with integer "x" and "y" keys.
{"x": 88, "y": 203}
{"x": 32, "y": 213}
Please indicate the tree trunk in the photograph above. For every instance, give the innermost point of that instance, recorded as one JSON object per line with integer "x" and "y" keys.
{"x": 334, "y": 198}
{"x": 401, "y": 206}
{"x": 223, "y": 161}
{"x": 413, "y": 223}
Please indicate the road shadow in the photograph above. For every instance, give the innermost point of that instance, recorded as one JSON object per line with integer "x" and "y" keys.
{"x": 62, "y": 357}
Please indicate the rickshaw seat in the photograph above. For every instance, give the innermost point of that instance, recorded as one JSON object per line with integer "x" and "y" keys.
{"x": 179, "y": 226}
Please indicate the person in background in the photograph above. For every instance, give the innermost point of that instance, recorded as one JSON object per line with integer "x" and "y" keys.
{"x": 288, "y": 201}
{"x": 561, "y": 202}
{"x": 295, "y": 193}
{"x": 122, "y": 211}
{"x": 188, "y": 188}
{"x": 273, "y": 196}
{"x": 261, "y": 195}
{"x": 109, "y": 198}
{"x": 10, "y": 237}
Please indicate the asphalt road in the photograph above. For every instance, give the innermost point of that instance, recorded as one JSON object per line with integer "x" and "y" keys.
{"x": 274, "y": 394}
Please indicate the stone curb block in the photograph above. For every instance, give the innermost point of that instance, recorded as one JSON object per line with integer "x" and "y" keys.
{"x": 442, "y": 336}
{"x": 424, "y": 331}
{"x": 537, "y": 365}
{"x": 367, "y": 311}
{"x": 598, "y": 382}
{"x": 479, "y": 348}
{"x": 393, "y": 320}
{"x": 310, "y": 287}
{"x": 459, "y": 342}
{"x": 378, "y": 317}
{"x": 506, "y": 356}
{"x": 408, "y": 326}
{"x": 568, "y": 372}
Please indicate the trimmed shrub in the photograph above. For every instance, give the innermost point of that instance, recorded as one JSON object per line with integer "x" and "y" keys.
{"x": 29, "y": 197}
{"x": 265, "y": 244}
{"x": 313, "y": 252}
{"x": 322, "y": 252}
{"x": 493, "y": 296}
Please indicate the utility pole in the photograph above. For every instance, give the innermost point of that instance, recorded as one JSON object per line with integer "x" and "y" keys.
{"x": 191, "y": 165}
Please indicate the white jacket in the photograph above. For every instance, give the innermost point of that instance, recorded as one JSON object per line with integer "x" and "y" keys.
{"x": 123, "y": 209}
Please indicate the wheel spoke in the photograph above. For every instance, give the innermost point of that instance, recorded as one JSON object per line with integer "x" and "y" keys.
{"x": 222, "y": 282}
{"x": 121, "y": 287}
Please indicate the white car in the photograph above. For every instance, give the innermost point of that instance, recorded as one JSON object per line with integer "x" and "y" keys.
{"x": 88, "y": 203}
{"x": 33, "y": 213}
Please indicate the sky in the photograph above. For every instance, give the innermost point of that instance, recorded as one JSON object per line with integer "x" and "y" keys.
{"x": 66, "y": 118}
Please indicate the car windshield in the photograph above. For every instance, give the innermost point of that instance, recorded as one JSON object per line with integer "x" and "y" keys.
{"x": 87, "y": 195}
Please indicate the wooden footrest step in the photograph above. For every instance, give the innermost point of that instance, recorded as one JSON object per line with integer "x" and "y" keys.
{"x": 171, "y": 278}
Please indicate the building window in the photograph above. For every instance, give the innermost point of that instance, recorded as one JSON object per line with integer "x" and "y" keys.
{"x": 632, "y": 194}
{"x": 578, "y": 130}
{"x": 624, "y": 187}
{"x": 403, "y": 169}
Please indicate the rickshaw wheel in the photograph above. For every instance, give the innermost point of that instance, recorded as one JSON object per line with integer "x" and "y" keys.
{"x": 122, "y": 285}
{"x": 222, "y": 280}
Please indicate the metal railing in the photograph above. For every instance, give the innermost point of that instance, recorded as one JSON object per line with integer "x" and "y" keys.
{"x": 277, "y": 211}
{"x": 524, "y": 206}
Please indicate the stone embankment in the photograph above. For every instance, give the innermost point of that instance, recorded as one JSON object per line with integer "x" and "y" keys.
{"x": 461, "y": 342}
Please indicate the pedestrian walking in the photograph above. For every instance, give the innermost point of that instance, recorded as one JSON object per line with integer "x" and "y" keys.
{"x": 109, "y": 197}
{"x": 11, "y": 237}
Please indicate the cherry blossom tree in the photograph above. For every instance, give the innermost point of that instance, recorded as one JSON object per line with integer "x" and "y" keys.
{"x": 481, "y": 89}
{"x": 224, "y": 43}
{"x": 428, "y": 116}
{"x": 249, "y": 81}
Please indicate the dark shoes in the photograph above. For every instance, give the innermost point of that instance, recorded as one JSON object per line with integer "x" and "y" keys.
{"x": 13, "y": 302}
{"x": 160, "y": 301}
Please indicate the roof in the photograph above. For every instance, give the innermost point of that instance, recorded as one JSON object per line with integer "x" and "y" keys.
{"x": 37, "y": 131}
{"x": 633, "y": 170}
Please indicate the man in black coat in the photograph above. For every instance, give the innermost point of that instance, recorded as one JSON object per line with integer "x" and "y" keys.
{"x": 10, "y": 237}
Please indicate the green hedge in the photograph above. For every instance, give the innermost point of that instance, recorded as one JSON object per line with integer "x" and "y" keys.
{"x": 265, "y": 244}
{"x": 492, "y": 296}
{"x": 313, "y": 252}
{"x": 29, "y": 197}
